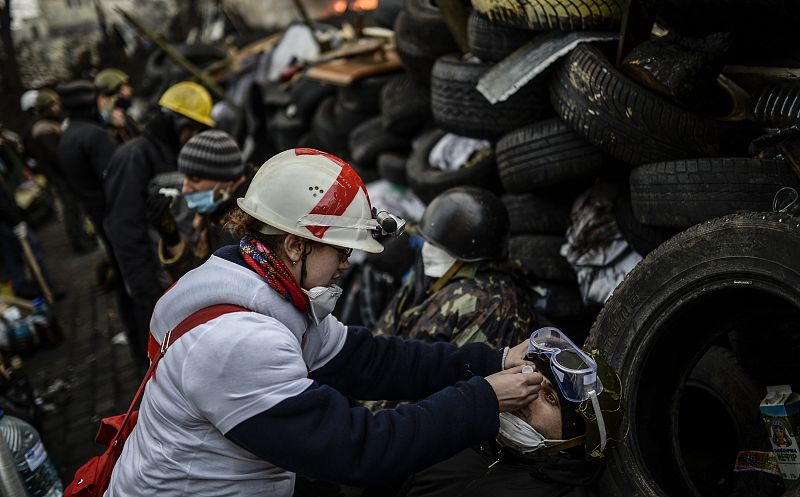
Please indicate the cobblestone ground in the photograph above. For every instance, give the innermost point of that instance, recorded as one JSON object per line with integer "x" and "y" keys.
{"x": 100, "y": 376}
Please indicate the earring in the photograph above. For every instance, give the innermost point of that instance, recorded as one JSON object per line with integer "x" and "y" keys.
{"x": 294, "y": 263}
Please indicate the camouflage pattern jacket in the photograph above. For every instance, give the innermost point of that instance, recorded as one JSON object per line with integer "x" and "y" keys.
{"x": 491, "y": 302}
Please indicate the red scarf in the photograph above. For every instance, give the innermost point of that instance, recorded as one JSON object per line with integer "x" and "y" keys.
{"x": 274, "y": 271}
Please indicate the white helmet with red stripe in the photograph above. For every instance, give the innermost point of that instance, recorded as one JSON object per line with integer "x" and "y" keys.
{"x": 314, "y": 195}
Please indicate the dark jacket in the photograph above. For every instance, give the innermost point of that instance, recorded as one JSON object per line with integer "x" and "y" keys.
{"x": 499, "y": 473}
{"x": 132, "y": 167}
{"x": 45, "y": 135}
{"x": 84, "y": 153}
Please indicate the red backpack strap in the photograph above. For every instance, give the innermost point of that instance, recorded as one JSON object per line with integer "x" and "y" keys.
{"x": 194, "y": 320}
{"x": 154, "y": 349}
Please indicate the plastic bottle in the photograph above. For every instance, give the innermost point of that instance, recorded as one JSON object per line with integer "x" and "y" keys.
{"x": 20, "y": 334}
{"x": 45, "y": 324}
{"x": 30, "y": 457}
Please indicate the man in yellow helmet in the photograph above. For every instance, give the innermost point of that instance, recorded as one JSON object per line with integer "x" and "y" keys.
{"x": 114, "y": 96}
{"x": 185, "y": 111}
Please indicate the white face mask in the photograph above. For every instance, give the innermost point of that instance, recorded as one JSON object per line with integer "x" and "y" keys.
{"x": 521, "y": 436}
{"x": 322, "y": 300}
{"x": 435, "y": 261}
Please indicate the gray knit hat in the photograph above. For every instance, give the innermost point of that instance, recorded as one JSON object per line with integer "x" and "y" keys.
{"x": 212, "y": 154}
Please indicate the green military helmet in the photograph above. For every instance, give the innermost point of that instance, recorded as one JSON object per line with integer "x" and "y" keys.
{"x": 109, "y": 80}
{"x": 45, "y": 99}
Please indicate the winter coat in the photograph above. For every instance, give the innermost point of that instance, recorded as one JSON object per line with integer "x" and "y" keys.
{"x": 45, "y": 135}
{"x": 131, "y": 168}
{"x": 84, "y": 153}
{"x": 495, "y": 472}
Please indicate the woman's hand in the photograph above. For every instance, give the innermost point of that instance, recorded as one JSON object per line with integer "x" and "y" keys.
{"x": 515, "y": 389}
{"x": 516, "y": 354}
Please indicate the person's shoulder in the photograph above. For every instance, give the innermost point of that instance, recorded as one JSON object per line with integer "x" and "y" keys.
{"x": 127, "y": 152}
{"x": 44, "y": 127}
{"x": 250, "y": 327}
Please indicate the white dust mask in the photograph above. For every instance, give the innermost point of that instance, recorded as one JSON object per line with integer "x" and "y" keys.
{"x": 435, "y": 261}
{"x": 519, "y": 435}
{"x": 322, "y": 300}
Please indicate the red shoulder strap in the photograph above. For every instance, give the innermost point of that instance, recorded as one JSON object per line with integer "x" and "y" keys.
{"x": 156, "y": 353}
{"x": 193, "y": 321}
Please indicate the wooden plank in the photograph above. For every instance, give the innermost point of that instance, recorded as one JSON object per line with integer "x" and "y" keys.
{"x": 345, "y": 72}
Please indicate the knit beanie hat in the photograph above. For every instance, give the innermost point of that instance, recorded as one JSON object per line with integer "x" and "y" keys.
{"x": 212, "y": 154}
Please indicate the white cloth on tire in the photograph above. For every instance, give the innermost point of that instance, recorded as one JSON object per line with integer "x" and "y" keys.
{"x": 595, "y": 247}
{"x": 453, "y": 151}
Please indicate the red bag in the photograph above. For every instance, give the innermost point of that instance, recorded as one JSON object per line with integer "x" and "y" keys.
{"x": 92, "y": 479}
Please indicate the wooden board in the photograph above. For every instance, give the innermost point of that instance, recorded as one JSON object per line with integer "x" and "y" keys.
{"x": 345, "y": 72}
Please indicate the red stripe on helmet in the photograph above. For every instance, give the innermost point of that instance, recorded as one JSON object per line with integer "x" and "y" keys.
{"x": 339, "y": 195}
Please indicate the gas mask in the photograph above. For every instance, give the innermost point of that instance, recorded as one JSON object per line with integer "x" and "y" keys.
{"x": 435, "y": 261}
{"x": 322, "y": 300}
{"x": 520, "y": 436}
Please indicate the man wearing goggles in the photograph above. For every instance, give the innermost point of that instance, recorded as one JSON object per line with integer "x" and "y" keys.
{"x": 551, "y": 447}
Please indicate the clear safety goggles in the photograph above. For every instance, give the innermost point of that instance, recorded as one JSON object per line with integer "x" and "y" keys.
{"x": 574, "y": 371}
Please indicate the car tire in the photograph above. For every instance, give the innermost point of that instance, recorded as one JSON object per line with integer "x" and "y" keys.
{"x": 544, "y": 154}
{"x": 369, "y": 139}
{"x": 540, "y": 254}
{"x": 458, "y": 107}
{"x": 405, "y": 106}
{"x": 530, "y": 213}
{"x": 682, "y": 193}
{"x": 631, "y": 123}
{"x": 492, "y": 41}
{"x": 560, "y": 15}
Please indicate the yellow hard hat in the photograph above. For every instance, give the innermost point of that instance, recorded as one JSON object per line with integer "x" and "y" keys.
{"x": 109, "y": 80}
{"x": 190, "y": 100}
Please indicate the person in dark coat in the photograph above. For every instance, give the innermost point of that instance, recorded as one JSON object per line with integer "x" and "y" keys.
{"x": 45, "y": 136}
{"x": 215, "y": 177}
{"x": 84, "y": 153}
{"x": 85, "y": 149}
{"x": 185, "y": 111}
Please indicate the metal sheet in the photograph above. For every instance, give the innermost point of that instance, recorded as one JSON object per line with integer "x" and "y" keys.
{"x": 530, "y": 60}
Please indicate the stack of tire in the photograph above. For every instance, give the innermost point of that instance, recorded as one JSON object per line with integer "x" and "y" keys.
{"x": 585, "y": 119}
{"x": 533, "y": 157}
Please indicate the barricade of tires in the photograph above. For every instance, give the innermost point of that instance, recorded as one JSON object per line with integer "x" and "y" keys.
{"x": 678, "y": 164}
{"x": 581, "y": 120}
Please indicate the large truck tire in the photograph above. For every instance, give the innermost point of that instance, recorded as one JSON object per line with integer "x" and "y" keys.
{"x": 662, "y": 319}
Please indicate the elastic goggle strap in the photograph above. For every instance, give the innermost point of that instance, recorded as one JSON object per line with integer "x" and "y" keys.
{"x": 601, "y": 424}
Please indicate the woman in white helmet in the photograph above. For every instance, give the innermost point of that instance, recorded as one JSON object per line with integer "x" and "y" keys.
{"x": 245, "y": 400}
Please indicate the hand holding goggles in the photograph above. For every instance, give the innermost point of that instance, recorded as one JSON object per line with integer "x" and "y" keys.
{"x": 575, "y": 371}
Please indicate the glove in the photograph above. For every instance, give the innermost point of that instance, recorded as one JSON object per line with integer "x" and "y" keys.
{"x": 21, "y": 230}
{"x": 162, "y": 220}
